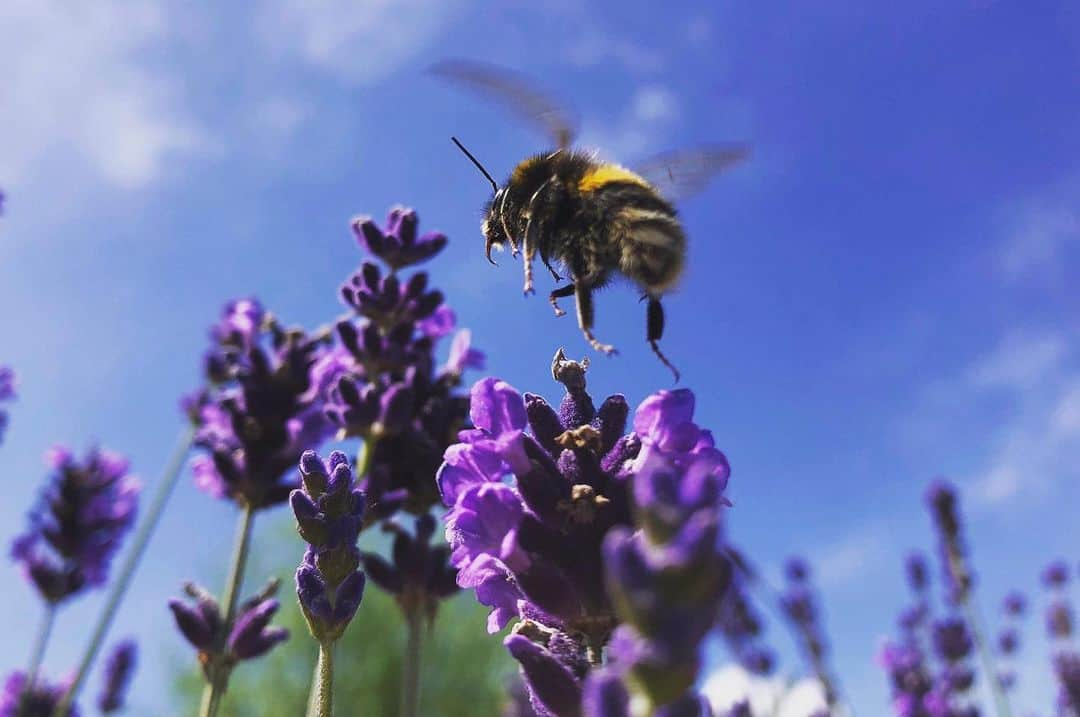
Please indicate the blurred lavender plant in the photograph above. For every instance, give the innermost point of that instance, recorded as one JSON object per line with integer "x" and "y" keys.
{"x": 741, "y": 625}
{"x": 1008, "y": 639}
{"x": 801, "y": 608}
{"x": 119, "y": 669}
{"x": 75, "y": 530}
{"x": 534, "y": 550}
{"x": 23, "y": 697}
{"x": 1059, "y": 627}
{"x": 82, "y": 516}
{"x": 667, "y": 578}
{"x": 7, "y": 384}
{"x": 328, "y": 510}
{"x": 943, "y": 502}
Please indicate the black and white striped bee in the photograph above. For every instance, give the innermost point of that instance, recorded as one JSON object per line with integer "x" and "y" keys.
{"x": 594, "y": 219}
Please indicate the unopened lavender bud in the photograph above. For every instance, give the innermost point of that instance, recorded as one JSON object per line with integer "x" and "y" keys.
{"x": 119, "y": 668}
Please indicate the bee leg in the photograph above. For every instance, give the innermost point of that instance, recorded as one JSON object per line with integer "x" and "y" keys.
{"x": 547, "y": 262}
{"x": 560, "y": 293}
{"x": 585, "y": 317}
{"x": 654, "y": 329}
{"x": 528, "y": 247}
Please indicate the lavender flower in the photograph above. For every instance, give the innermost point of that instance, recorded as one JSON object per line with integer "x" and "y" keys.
{"x": 40, "y": 700}
{"x": 221, "y": 646}
{"x": 1067, "y": 670}
{"x": 740, "y": 624}
{"x": 952, "y": 640}
{"x": 534, "y": 549}
{"x": 800, "y": 606}
{"x": 398, "y": 244}
{"x": 418, "y": 574}
{"x": 1014, "y": 605}
{"x": 381, "y": 383}
{"x": 257, "y": 413}
{"x": 942, "y": 500}
{"x": 667, "y": 579}
{"x": 1056, "y": 574}
{"x": 917, "y": 573}
{"x": 1059, "y": 620}
{"x": 119, "y": 668}
{"x": 7, "y": 384}
{"x": 912, "y": 685}
{"x": 83, "y": 514}
{"x": 328, "y": 510}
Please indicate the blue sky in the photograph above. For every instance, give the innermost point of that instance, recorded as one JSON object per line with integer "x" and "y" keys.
{"x": 879, "y": 295}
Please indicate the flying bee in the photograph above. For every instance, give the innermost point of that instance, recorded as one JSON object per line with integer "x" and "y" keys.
{"x": 593, "y": 219}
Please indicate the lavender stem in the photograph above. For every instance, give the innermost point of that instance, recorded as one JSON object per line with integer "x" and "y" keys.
{"x": 410, "y": 683}
{"x": 215, "y": 689}
{"x": 971, "y": 611}
{"x": 40, "y": 642}
{"x": 169, "y": 478}
{"x": 321, "y": 703}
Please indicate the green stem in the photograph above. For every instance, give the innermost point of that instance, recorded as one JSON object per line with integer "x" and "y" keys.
{"x": 1001, "y": 702}
{"x": 410, "y": 683}
{"x": 215, "y": 689}
{"x": 38, "y": 652}
{"x": 321, "y": 701}
{"x": 168, "y": 482}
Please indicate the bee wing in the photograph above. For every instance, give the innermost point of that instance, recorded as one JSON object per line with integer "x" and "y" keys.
{"x": 680, "y": 174}
{"x": 514, "y": 92}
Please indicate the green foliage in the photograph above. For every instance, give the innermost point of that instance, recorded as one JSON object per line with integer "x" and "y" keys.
{"x": 465, "y": 670}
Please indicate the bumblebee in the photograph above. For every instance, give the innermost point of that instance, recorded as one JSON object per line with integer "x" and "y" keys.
{"x": 591, "y": 218}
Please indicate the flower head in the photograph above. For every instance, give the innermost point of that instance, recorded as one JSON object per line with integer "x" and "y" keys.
{"x": 257, "y": 413}
{"x": 383, "y": 385}
{"x": 561, "y": 519}
{"x": 329, "y": 511}
{"x": 220, "y": 645}
{"x": 119, "y": 668}
{"x": 418, "y": 574}
{"x": 943, "y": 502}
{"x": 40, "y": 700}
{"x": 397, "y": 243}
{"x": 1056, "y": 574}
{"x": 84, "y": 512}
{"x": 7, "y": 388}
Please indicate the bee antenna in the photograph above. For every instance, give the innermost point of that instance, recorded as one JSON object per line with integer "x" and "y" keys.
{"x": 494, "y": 185}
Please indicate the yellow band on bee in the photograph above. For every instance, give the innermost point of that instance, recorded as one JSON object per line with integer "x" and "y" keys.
{"x": 606, "y": 174}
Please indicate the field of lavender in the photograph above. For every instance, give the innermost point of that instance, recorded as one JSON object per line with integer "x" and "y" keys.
{"x": 399, "y": 487}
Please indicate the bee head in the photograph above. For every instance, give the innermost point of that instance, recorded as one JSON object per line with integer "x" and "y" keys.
{"x": 494, "y": 224}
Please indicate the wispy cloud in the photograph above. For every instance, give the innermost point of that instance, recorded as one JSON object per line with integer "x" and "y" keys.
{"x": 840, "y": 562}
{"x": 358, "y": 41}
{"x": 1023, "y": 397}
{"x": 78, "y": 88}
{"x": 651, "y": 115}
{"x": 1043, "y": 233}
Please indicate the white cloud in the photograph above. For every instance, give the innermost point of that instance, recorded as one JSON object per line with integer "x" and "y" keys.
{"x": 1041, "y": 233}
{"x": 1020, "y": 362}
{"x": 77, "y": 87}
{"x": 652, "y": 112}
{"x": 840, "y": 562}
{"x": 768, "y": 696}
{"x": 1029, "y": 386}
{"x": 357, "y": 40}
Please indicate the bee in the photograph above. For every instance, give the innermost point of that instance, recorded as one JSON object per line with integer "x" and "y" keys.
{"x": 593, "y": 219}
